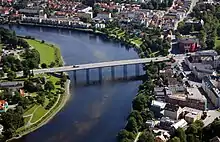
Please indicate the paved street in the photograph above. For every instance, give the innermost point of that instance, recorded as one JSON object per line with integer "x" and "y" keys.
{"x": 211, "y": 116}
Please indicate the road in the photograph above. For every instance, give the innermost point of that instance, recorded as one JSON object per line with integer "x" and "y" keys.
{"x": 211, "y": 116}
{"x": 97, "y": 65}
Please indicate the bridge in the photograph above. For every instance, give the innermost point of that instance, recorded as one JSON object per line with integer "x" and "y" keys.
{"x": 99, "y": 66}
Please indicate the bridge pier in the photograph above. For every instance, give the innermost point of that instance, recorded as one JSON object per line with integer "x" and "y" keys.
{"x": 87, "y": 75}
{"x": 137, "y": 70}
{"x": 100, "y": 74}
{"x": 113, "y": 72}
{"x": 74, "y": 76}
{"x": 125, "y": 71}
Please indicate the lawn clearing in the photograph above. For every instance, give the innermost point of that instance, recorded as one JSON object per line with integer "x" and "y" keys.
{"x": 217, "y": 41}
{"x": 30, "y": 110}
{"x": 47, "y": 52}
{"x": 38, "y": 114}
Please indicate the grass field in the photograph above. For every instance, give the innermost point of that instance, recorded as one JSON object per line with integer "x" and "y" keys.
{"x": 217, "y": 42}
{"x": 38, "y": 114}
{"x": 30, "y": 110}
{"x": 47, "y": 52}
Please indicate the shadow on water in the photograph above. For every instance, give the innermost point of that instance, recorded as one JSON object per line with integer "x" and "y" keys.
{"x": 108, "y": 80}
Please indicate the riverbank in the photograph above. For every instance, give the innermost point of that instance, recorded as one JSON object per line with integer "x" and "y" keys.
{"x": 58, "y": 105}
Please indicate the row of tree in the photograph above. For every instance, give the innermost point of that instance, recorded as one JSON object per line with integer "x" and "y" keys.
{"x": 141, "y": 109}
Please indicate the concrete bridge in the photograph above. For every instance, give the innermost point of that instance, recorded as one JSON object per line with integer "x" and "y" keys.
{"x": 99, "y": 66}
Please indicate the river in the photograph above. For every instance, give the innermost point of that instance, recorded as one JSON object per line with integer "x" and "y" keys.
{"x": 94, "y": 113}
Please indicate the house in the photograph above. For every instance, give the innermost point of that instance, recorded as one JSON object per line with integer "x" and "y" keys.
{"x": 180, "y": 124}
{"x": 165, "y": 123}
{"x": 150, "y": 123}
{"x": 191, "y": 114}
{"x": 104, "y": 15}
{"x": 157, "y": 107}
{"x": 12, "y": 85}
{"x": 188, "y": 45}
{"x": 172, "y": 111}
{"x": 3, "y": 106}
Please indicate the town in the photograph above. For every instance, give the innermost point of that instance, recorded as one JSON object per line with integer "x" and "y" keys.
{"x": 179, "y": 99}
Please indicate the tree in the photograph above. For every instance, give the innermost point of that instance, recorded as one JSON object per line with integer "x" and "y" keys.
{"x": 26, "y": 72}
{"x": 132, "y": 125}
{"x": 175, "y": 139}
{"x": 20, "y": 110}
{"x": 190, "y": 138}
{"x": 49, "y": 86}
{"x": 139, "y": 102}
{"x": 136, "y": 114}
{"x": 1, "y": 74}
{"x": 180, "y": 133}
{"x": 52, "y": 64}
{"x": 124, "y": 134}
{"x": 40, "y": 99}
{"x": 11, "y": 75}
{"x": 146, "y": 136}
{"x": 43, "y": 65}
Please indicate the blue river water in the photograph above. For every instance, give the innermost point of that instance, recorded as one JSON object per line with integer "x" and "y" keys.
{"x": 94, "y": 113}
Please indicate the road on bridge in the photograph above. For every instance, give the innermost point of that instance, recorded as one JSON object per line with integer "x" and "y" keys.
{"x": 97, "y": 65}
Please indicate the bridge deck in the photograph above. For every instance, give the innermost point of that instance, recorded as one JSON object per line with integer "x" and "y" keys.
{"x": 100, "y": 65}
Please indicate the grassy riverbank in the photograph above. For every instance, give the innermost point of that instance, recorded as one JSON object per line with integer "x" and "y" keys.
{"x": 48, "y": 52}
{"x": 37, "y": 115}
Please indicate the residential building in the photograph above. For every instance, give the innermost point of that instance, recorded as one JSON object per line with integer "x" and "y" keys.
{"x": 188, "y": 45}
{"x": 211, "y": 90}
{"x": 158, "y": 108}
{"x": 191, "y": 114}
{"x": 150, "y": 123}
{"x": 12, "y": 85}
{"x": 3, "y": 106}
{"x": 191, "y": 97}
{"x": 172, "y": 111}
{"x": 165, "y": 123}
{"x": 180, "y": 124}
{"x": 104, "y": 15}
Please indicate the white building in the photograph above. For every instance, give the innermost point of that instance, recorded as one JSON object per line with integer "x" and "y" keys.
{"x": 104, "y": 15}
{"x": 191, "y": 114}
{"x": 180, "y": 124}
{"x": 172, "y": 111}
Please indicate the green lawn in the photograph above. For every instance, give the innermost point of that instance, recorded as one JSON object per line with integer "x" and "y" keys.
{"x": 38, "y": 114}
{"x": 217, "y": 42}
{"x": 30, "y": 110}
{"x": 47, "y": 52}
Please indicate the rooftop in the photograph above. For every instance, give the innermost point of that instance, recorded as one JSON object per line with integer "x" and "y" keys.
{"x": 158, "y": 103}
{"x": 171, "y": 107}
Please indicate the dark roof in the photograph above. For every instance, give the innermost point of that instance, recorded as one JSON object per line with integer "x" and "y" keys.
{"x": 206, "y": 68}
{"x": 18, "y": 84}
{"x": 171, "y": 107}
{"x": 211, "y": 87}
{"x": 187, "y": 41}
{"x": 29, "y": 11}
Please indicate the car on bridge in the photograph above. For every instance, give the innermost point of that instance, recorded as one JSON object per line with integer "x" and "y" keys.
{"x": 75, "y": 66}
